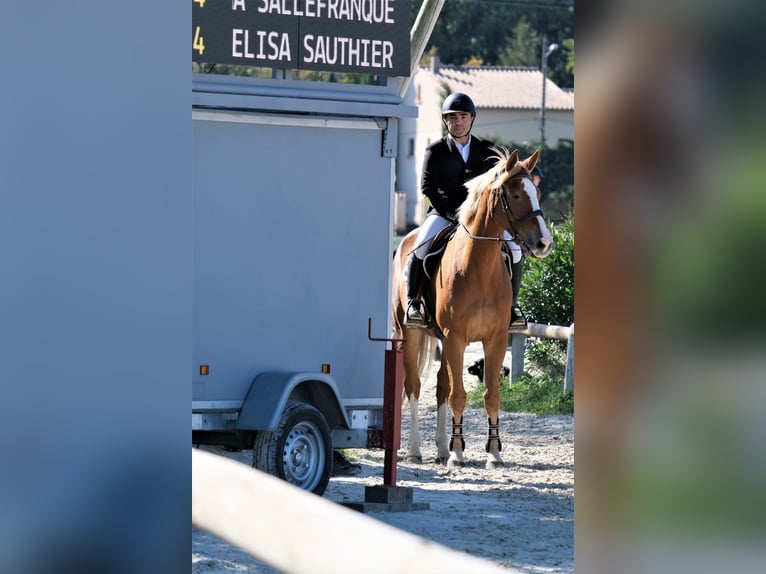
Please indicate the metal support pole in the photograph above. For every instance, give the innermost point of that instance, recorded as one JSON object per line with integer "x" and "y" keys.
{"x": 569, "y": 369}
{"x": 547, "y": 50}
{"x": 419, "y": 36}
{"x": 517, "y": 355}
{"x": 518, "y": 341}
{"x": 392, "y": 413}
{"x": 542, "y": 106}
{"x": 388, "y": 497}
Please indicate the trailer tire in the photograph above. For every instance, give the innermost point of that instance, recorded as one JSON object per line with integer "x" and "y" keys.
{"x": 299, "y": 450}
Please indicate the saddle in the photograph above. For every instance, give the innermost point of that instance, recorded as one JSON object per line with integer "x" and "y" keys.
{"x": 431, "y": 266}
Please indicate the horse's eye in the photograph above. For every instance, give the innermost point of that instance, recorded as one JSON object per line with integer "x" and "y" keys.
{"x": 515, "y": 196}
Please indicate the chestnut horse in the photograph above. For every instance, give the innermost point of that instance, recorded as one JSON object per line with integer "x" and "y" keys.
{"x": 472, "y": 297}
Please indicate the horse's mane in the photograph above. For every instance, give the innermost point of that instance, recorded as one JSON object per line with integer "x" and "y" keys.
{"x": 487, "y": 181}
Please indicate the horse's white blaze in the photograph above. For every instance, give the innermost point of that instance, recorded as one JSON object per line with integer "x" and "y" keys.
{"x": 531, "y": 190}
{"x": 413, "y": 448}
{"x": 442, "y": 440}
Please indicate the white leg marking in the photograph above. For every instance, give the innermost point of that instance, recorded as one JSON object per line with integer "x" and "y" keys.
{"x": 414, "y": 442}
{"x": 494, "y": 460}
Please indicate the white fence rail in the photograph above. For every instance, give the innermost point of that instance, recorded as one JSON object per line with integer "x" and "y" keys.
{"x": 300, "y": 533}
{"x": 518, "y": 341}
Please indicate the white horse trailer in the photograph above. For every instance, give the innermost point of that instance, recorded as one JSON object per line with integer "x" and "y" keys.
{"x": 293, "y": 224}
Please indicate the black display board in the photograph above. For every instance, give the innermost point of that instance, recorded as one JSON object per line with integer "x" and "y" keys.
{"x": 357, "y": 36}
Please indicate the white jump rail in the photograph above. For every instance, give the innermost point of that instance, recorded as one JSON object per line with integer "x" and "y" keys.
{"x": 544, "y": 332}
{"x": 301, "y": 533}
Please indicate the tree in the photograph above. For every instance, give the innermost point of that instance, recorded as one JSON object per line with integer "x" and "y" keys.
{"x": 568, "y": 46}
{"x": 557, "y": 186}
{"x": 482, "y": 27}
{"x": 522, "y": 48}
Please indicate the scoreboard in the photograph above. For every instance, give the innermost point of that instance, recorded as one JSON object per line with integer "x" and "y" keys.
{"x": 356, "y": 36}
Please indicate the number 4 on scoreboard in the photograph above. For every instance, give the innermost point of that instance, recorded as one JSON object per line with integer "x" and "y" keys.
{"x": 199, "y": 42}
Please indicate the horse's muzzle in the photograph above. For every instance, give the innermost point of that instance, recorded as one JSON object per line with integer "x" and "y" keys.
{"x": 541, "y": 247}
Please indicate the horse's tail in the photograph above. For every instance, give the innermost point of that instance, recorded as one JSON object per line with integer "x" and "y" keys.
{"x": 398, "y": 304}
{"x": 425, "y": 342}
{"x": 426, "y": 355}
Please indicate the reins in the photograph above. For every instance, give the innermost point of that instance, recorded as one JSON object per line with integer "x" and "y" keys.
{"x": 481, "y": 237}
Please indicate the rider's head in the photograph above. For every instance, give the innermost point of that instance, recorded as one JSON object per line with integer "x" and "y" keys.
{"x": 458, "y": 114}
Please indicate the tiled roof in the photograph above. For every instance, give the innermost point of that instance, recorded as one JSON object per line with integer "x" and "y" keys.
{"x": 502, "y": 87}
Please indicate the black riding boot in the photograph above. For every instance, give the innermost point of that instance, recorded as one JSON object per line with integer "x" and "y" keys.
{"x": 518, "y": 321}
{"x": 414, "y": 273}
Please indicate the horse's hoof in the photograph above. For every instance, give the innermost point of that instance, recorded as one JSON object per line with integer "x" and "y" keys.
{"x": 453, "y": 464}
{"x": 441, "y": 459}
{"x": 415, "y": 459}
{"x": 493, "y": 464}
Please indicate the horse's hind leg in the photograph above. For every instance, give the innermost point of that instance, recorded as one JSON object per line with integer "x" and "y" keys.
{"x": 411, "y": 349}
{"x": 493, "y": 362}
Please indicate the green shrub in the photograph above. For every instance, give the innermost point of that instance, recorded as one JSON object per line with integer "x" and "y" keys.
{"x": 538, "y": 395}
{"x": 557, "y": 163}
{"x": 547, "y": 296}
{"x": 547, "y": 286}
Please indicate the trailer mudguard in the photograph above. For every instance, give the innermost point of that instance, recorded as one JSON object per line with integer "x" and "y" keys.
{"x": 271, "y": 390}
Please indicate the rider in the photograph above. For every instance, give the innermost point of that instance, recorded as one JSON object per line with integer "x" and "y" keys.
{"x": 448, "y": 164}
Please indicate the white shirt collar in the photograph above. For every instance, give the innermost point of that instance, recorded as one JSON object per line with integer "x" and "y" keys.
{"x": 464, "y": 150}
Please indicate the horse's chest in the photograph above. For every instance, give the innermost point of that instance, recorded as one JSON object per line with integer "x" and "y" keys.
{"x": 475, "y": 284}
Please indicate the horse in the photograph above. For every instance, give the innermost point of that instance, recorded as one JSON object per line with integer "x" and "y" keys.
{"x": 472, "y": 297}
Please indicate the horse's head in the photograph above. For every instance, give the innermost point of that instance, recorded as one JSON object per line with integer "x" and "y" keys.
{"x": 517, "y": 203}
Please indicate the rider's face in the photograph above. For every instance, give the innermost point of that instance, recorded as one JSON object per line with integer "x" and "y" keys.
{"x": 458, "y": 123}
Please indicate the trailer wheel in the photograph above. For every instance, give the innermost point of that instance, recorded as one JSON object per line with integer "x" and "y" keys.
{"x": 299, "y": 450}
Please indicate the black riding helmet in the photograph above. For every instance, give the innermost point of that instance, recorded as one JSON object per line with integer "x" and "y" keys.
{"x": 458, "y": 102}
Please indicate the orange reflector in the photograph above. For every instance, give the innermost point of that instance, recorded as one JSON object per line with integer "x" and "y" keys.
{"x": 204, "y": 369}
{"x": 325, "y": 367}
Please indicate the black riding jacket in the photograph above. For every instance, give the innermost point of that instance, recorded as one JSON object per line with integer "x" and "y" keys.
{"x": 445, "y": 172}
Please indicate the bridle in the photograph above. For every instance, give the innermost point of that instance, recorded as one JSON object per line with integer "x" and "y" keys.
{"x": 513, "y": 223}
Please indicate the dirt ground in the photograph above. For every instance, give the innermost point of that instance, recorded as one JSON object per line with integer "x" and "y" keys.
{"x": 520, "y": 516}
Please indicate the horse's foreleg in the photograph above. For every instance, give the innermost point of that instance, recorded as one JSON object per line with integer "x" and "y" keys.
{"x": 453, "y": 355}
{"x": 456, "y": 444}
{"x": 442, "y": 394}
{"x": 494, "y": 460}
{"x": 493, "y": 362}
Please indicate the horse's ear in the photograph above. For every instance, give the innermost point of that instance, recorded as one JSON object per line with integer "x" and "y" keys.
{"x": 512, "y": 159}
{"x": 531, "y": 161}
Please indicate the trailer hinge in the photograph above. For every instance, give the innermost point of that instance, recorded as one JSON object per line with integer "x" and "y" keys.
{"x": 390, "y": 138}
